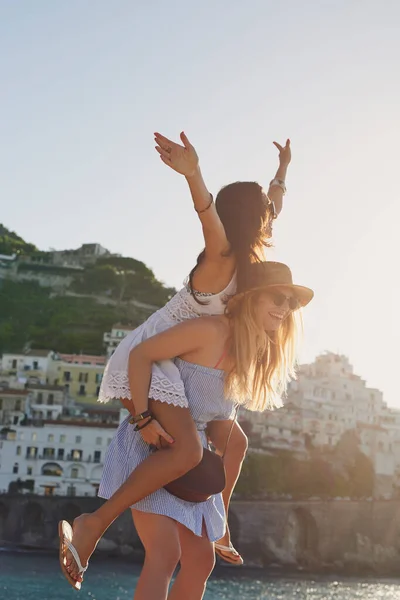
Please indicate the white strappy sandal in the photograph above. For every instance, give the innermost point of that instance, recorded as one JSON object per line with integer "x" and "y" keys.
{"x": 65, "y": 534}
{"x": 222, "y": 552}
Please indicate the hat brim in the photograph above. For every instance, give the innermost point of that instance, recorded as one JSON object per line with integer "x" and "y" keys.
{"x": 304, "y": 294}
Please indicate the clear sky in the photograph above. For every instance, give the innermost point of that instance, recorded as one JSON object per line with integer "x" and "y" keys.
{"x": 85, "y": 84}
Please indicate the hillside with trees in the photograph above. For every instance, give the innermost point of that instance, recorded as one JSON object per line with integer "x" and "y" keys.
{"x": 110, "y": 289}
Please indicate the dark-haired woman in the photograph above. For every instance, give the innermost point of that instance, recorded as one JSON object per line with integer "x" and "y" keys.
{"x": 236, "y": 228}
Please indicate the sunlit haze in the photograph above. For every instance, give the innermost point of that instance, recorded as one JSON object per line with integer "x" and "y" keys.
{"x": 85, "y": 84}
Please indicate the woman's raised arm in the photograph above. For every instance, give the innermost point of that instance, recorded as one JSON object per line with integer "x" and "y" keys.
{"x": 184, "y": 160}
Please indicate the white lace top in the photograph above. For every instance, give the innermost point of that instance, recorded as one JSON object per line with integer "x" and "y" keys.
{"x": 166, "y": 383}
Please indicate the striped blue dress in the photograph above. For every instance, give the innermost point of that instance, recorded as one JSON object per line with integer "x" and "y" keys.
{"x": 204, "y": 390}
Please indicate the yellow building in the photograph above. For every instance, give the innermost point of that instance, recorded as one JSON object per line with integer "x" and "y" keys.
{"x": 82, "y": 375}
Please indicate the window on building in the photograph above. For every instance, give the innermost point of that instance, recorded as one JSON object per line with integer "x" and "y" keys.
{"x": 60, "y": 454}
{"x": 76, "y": 455}
{"x": 83, "y": 377}
{"x": 67, "y": 376}
{"x": 99, "y": 377}
{"x": 49, "y": 414}
{"x": 78, "y": 439}
{"x": 18, "y": 452}
{"x": 63, "y": 439}
{"x": 50, "y": 399}
{"x": 14, "y": 364}
{"x": 82, "y": 390}
{"x": 49, "y": 453}
{"x": 31, "y": 452}
{"x": 29, "y": 471}
{"x": 97, "y": 456}
{"x": 15, "y": 468}
{"x": 50, "y": 437}
{"x": 39, "y": 399}
{"x": 74, "y": 473}
{"x": 98, "y": 441}
{"x": 35, "y": 365}
{"x": 97, "y": 390}
{"x": 18, "y": 405}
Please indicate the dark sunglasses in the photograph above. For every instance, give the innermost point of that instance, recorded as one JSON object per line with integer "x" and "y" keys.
{"x": 279, "y": 300}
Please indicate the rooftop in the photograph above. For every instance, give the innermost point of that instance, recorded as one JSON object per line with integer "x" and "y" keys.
{"x": 80, "y": 359}
{"x": 13, "y": 392}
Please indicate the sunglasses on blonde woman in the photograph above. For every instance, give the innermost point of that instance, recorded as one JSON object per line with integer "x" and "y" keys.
{"x": 279, "y": 300}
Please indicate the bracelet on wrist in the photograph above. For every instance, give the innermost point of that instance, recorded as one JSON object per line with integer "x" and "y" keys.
{"x": 203, "y": 210}
{"x": 140, "y": 427}
{"x": 278, "y": 183}
{"x": 137, "y": 418}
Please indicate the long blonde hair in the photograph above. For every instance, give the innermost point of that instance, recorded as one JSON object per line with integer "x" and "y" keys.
{"x": 263, "y": 363}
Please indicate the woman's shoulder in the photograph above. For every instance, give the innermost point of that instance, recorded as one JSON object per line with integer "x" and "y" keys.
{"x": 208, "y": 326}
{"x": 213, "y": 278}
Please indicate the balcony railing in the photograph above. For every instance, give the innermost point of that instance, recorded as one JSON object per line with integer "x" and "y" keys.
{"x": 67, "y": 458}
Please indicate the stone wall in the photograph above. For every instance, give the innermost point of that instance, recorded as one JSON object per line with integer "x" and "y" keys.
{"x": 334, "y": 535}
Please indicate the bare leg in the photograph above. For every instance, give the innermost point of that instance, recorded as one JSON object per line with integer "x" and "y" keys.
{"x": 236, "y": 451}
{"x": 160, "y": 538}
{"x": 197, "y": 563}
{"x": 153, "y": 473}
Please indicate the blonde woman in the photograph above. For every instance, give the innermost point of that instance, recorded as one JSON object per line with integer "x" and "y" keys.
{"x": 236, "y": 228}
{"x": 246, "y": 355}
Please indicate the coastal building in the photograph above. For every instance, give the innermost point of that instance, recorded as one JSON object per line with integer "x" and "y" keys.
{"x": 12, "y": 405}
{"x": 45, "y": 402}
{"x": 81, "y": 374}
{"x": 114, "y": 337}
{"x": 326, "y": 400}
{"x": 56, "y": 458}
{"x": 276, "y": 430}
{"x": 40, "y": 366}
{"x": 86, "y": 254}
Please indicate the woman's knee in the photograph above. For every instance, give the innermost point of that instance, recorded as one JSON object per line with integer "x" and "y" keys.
{"x": 201, "y": 563}
{"x": 163, "y": 558}
{"x": 187, "y": 448}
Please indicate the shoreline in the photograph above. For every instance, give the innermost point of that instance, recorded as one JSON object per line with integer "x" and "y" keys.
{"x": 271, "y": 572}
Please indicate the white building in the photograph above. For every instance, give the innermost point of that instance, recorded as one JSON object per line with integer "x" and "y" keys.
{"x": 12, "y": 405}
{"x": 338, "y": 399}
{"x": 114, "y": 337}
{"x": 326, "y": 400}
{"x": 63, "y": 458}
{"x": 276, "y": 430}
{"x": 40, "y": 366}
{"x": 45, "y": 402}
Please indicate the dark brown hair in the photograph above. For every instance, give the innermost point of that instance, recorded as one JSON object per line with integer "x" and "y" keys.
{"x": 247, "y": 215}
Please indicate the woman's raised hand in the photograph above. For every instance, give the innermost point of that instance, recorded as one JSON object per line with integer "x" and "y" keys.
{"x": 182, "y": 159}
{"x": 285, "y": 153}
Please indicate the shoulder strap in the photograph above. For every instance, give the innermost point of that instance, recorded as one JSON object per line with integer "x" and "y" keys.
{"x": 221, "y": 358}
{"x": 230, "y": 431}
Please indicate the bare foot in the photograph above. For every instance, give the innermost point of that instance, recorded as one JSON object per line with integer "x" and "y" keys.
{"x": 86, "y": 534}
